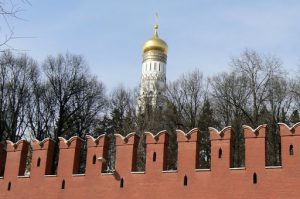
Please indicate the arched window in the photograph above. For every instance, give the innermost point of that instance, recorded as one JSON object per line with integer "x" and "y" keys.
{"x": 154, "y": 157}
{"x": 122, "y": 183}
{"x": 185, "y": 180}
{"x": 63, "y": 184}
{"x": 220, "y": 153}
{"x": 254, "y": 178}
{"x": 94, "y": 159}
{"x": 291, "y": 149}
{"x": 38, "y": 164}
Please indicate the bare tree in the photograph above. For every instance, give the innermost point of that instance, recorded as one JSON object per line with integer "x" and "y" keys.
{"x": 258, "y": 71}
{"x": 255, "y": 92}
{"x": 122, "y": 106}
{"x": 9, "y": 9}
{"x": 76, "y": 96}
{"x": 40, "y": 112}
{"x": 15, "y": 81}
{"x": 183, "y": 109}
{"x": 187, "y": 95}
{"x": 277, "y": 109}
{"x": 295, "y": 91}
{"x": 120, "y": 118}
{"x": 230, "y": 96}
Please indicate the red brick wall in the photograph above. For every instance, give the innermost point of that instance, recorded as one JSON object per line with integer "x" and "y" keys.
{"x": 188, "y": 181}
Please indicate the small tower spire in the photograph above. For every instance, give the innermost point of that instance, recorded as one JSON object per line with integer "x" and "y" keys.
{"x": 156, "y": 26}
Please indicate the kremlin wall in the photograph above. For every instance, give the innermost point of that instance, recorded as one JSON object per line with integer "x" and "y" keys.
{"x": 255, "y": 180}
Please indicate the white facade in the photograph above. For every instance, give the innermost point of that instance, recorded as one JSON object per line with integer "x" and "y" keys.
{"x": 153, "y": 80}
{"x": 153, "y": 77}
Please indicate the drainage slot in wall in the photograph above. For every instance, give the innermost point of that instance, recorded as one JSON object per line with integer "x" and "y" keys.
{"x": 94, "y": 159}
{"x": 122, "y": 183}
{"x": 291, "y": 149}
{"x": 38, "y": 164}
{"x": 254, "y": 178}
{"x": 220, "y": 153}
{"x": 9, "y": 186}
{"x": 63, "y": 184}
{"x": 154, "y": 157}
{"x": 185, "y": 181}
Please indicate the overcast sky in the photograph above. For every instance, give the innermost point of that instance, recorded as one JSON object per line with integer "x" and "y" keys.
{"x": 202, "y": 34}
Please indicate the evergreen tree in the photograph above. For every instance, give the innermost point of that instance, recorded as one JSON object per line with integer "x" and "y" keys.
{"x": 206, "y": 119}
{"x": 295, "y": 117}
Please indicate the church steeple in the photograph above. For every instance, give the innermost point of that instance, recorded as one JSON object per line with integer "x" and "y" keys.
{"x": 153, "y": 80}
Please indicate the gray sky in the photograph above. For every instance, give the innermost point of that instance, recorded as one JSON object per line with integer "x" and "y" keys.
{"x": 202, "y": 34}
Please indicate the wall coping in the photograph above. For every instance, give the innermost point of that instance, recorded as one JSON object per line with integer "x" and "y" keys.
{"x": 273, "y": 167}
{"x": 202, "y": 170}
{"x": 50, "y": 175}
{"x": 23, "y": 176}
{"x": 237, "y": 168}
{"x": 78, "y": 175}
{"x": 137, "y": 172}
{"x": 169, "y": 171}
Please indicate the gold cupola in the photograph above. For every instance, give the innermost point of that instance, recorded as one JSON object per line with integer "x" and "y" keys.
{"x": 155, "y": 43}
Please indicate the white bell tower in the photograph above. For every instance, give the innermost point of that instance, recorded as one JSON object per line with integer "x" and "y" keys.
{"x": 153, "y": 80}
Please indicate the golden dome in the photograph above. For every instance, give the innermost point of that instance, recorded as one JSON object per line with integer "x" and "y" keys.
{"x": 155, "y": 43}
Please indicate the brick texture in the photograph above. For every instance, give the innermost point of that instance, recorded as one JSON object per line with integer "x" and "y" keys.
{"x": 255, "y": 180}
